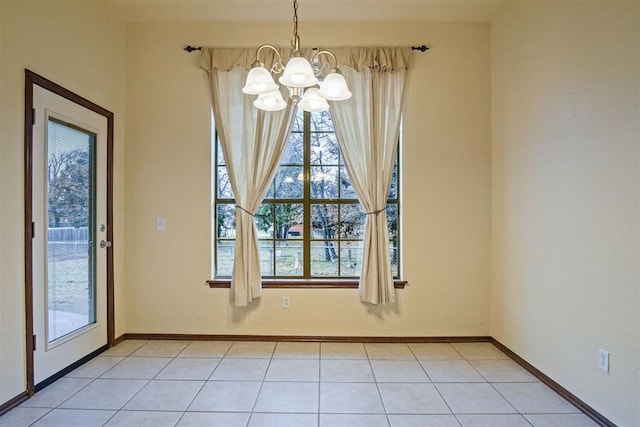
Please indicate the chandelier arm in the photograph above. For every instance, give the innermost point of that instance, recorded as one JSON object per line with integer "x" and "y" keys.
{"x": 277, "y": 66}
{"x": 334, "y": 64}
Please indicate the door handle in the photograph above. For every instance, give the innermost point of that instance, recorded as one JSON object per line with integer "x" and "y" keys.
{"x": 105, "y": 244}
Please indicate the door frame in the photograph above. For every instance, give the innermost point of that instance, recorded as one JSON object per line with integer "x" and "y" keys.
{"x": 32, "y": 79}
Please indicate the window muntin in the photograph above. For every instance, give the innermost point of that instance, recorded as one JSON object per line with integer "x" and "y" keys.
{"x": 310, "y": 224}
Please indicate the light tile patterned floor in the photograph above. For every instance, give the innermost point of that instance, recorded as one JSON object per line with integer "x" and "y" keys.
{"x": 252, "y": 384}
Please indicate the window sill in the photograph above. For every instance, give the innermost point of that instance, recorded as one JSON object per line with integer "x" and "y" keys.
{"x": 302, "y": 283}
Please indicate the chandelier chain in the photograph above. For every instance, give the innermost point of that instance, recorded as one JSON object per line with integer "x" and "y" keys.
{"x": 296, "y": 40}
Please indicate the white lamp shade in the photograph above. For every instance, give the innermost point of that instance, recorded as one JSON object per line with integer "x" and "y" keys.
{"x": 298, "y": 73}
{"x": 334, "y": 88}
{"x": 270, "y": 101}
{"x": 313, "y": 102}
{"x": 259, "y": 81}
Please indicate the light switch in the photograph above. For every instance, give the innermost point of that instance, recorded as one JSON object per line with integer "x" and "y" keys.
{"x": 161, "y": 224}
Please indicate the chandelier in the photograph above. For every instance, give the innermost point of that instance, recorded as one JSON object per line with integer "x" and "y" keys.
{"x": 299, "y": 76}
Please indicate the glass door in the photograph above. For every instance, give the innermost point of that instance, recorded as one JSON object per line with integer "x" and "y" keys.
{"x": 69, "y": 245}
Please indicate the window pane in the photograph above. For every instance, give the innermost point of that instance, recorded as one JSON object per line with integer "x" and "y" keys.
{"x": 289, "y": 259}
{"x": 352, "y": 221}
{"x": 289, "y": 180}
{"x": 264, "y": 220}
{"x": 392, "y": 220}
{"x": 293, "y": 154}
{"x": 226, "y": 221}
{"x": 224, "y": 184}
{"x": 289, "y": 221}
{"x": 225, "y": 250}
{"x": 324, "y": 257}
{"x": 220, "y": 154}
{"x": 350, "y": 258}
{"x": 324, "y": 149}
{"x": 324, "y": 182}
{"x": 269, "y": 194}
{"x": 393, "y": 189}
{"x": 346, "y": 189}
{"x": 324, "y": 221}
{"x": 393, "y": 251}
{"x": 321, "y": 122}
{"x": 266, "y": 257}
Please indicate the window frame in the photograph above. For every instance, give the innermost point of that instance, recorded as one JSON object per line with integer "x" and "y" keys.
{"x": 306, "y": 280}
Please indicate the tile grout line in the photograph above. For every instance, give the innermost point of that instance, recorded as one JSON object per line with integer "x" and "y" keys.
{"x": 373, "y": 373}
{"x": 435, "y": 386}
{"x": 261, "y": 385}
{"x": 123, "y": 359}
{"x": 319, "y": 382}
{"x": 195, "y": 396}
{"x": 148, "y": 380}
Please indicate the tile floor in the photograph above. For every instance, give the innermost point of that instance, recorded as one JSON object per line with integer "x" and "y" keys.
{"x": 207, "y": 383}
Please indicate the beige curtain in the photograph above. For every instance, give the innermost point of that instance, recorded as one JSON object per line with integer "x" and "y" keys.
{"x": 368, "y": 126}
{"x": 253, "y": 142}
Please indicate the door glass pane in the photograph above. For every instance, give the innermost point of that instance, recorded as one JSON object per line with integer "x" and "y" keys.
{"x": 70, "y": 276}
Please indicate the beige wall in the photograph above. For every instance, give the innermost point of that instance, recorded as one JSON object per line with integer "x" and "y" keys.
{"x": 80, "y": 46}
{"x": 446, "y": 187}
{"x": 565, "y": 79}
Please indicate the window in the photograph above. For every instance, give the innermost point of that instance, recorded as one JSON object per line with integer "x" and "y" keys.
{"x": 310, "y": 224}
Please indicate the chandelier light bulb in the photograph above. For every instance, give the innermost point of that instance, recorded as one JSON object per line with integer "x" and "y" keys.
{"x": 297, "y": 78}
{"x": 298, "y": 73}
{"x": 334, "y": 88}
{"x": 313, "y": 102}
{"x": 270, "y": 101}
{"x": 259, "y": 81}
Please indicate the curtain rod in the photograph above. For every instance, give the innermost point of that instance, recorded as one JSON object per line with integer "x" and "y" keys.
{"x": 422, "y": 48}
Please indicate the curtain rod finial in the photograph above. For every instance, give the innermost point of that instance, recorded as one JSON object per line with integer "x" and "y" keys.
{"x": 422, "y": 48}
{"x": 190, "y": 48}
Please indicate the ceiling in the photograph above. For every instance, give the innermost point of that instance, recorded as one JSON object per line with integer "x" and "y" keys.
{"x": 131, "y": 11}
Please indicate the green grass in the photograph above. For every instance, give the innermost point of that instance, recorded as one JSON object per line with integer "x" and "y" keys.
{"x": 285, "y": 262}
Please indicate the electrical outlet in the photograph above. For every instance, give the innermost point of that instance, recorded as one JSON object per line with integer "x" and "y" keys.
{"x": 603, "y": 360}
{"x": 161, "y": 224}
{"x": 286, "y": 302}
